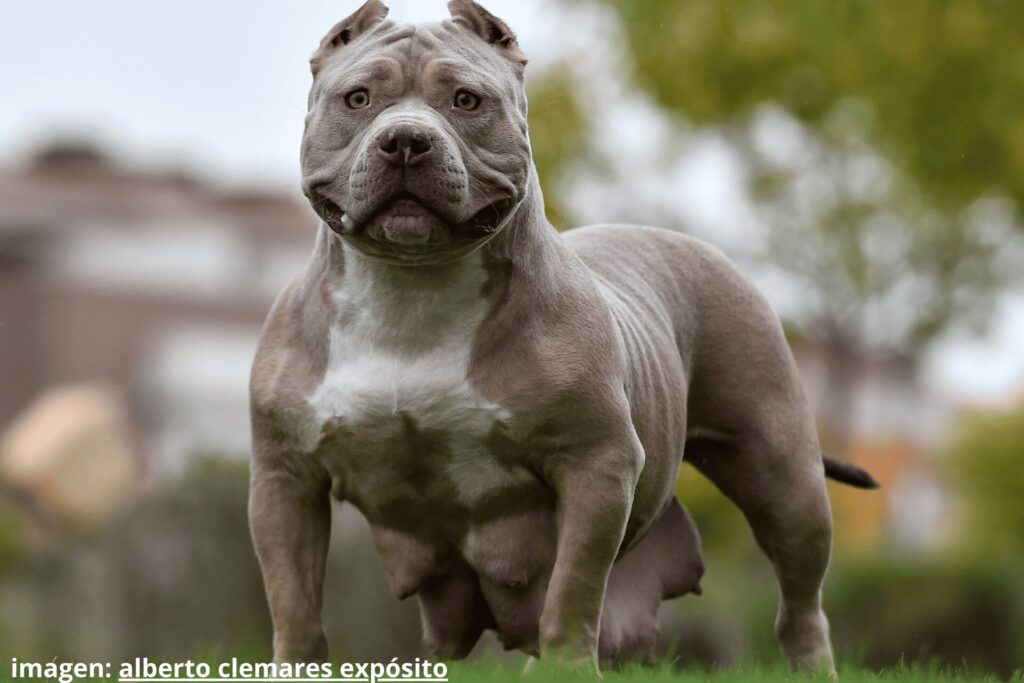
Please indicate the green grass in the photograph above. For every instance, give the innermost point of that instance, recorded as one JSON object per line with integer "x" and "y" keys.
{"x": 503, "y": 673}
{"x": 492, "y": 673}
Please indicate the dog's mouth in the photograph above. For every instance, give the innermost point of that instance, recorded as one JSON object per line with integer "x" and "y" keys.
{"x": 338, "y": 221}
{"x": 405, "y": 218}
{"x": 488, "y": 219}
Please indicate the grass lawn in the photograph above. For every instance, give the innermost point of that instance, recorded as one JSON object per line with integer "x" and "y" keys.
{"x": 501, "y": 674}
{"x": 498, "y": 673}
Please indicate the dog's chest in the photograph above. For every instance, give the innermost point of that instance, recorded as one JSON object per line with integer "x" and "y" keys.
{"x": 403, "y": 427}
{"x": 384, "y": 392}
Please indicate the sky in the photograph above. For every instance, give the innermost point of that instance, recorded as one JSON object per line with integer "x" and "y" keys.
{"x": 219, "y": 89}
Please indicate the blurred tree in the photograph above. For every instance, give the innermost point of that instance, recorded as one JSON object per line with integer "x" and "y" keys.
{"x": 883, "y": 145}
{"x": 12, "y": 533}
{"x": 984, "y": 468}
{"x": 938, "y": 84}
{"x": 557, "y": 134}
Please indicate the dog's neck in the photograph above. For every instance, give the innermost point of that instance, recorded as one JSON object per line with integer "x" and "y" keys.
{"x": 526, "y": 240}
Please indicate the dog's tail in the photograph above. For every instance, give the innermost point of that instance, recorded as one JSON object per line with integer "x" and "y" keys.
{"x": 848, "y": 473}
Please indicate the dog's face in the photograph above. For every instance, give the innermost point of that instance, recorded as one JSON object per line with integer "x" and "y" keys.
{"x": 416, "y": 149}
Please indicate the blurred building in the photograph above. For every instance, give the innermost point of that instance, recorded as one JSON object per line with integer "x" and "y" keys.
{"x": 154, "y": 283}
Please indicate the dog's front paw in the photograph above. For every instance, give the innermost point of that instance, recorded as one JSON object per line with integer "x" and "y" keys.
{"x": 573, "y": 649}
{"x": 292, "y": 648}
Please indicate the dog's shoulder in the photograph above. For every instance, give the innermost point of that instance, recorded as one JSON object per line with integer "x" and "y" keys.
{"x": 290, "y": 359}
{"x": 640, "y": 245}
{"x": 671, "y": 262}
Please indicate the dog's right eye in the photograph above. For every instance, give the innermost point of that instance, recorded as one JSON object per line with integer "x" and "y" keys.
{"x": 466, "y": 100}
{"x": 357, "y": 99}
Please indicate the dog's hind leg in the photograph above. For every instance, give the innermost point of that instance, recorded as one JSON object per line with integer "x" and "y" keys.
{"x": 780, "y": 487}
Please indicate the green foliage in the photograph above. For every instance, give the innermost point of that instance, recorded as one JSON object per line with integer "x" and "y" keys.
{"x": 12, "y": 533}
{"x": 557, "y": 134}
{"x": 725, "y": 535}
{"x": 922, "y": 610}
{"x": 938, "y": 84}
{"x": 984, "y": 466}
{"x": 175, "y": 576}
{"x": 909, "y": 174}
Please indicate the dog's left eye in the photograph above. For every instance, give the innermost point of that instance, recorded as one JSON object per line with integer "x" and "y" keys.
{"x": 357, "y": 99}
{"x": 466, "y": 100}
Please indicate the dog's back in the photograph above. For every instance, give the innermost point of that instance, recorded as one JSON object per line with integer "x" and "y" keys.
{"x": 726, "y": 333}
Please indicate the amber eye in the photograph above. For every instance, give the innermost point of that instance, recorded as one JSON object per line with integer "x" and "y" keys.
{"x": 357, "y": 99}
{"x": 466, "y": 100}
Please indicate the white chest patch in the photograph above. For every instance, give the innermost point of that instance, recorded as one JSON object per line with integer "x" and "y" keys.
{"x": 399, "y": 356}
{"x": 366, "y": 385}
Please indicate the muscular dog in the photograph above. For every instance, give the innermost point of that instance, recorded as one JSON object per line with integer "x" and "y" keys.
{"x": 507, "y": 406}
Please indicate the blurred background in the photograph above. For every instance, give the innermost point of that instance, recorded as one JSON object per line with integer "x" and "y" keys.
{"x": 862, "y": 161}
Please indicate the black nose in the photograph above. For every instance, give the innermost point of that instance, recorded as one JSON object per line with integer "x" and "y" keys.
{"x": 404, "y": 144}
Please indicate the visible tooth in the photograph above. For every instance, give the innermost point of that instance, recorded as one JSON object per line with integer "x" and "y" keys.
{"x": 347, "y": 223}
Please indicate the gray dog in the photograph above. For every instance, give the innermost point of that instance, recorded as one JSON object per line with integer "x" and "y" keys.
{"x": 507, "y": 406}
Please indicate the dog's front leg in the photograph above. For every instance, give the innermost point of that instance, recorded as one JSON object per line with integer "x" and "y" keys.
{"x": 595, "y": 495}
{"x": 290, "y": 519}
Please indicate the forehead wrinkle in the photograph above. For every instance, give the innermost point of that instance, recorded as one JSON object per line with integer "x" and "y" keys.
{"x": 384, "y": 38}
{"x": 450, "y": 61}
{"x": 375, "y": 67}
{"x": 447, "y": 36}
{"x": 481, "y": 58}
{"x": 377, "y": 45}
{"x": 426, "y": 36}
{"x": 458, "y": 70}
{"x": 393, "y": 33}
{"x": 466, "y": 44}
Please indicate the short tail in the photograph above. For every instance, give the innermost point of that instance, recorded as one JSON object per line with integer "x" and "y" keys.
{"x": 848, "y": 473}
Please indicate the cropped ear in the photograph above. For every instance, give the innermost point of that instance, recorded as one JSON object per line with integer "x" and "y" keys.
{"x": 345, "y": 31}
{"x": 489, "y": 27}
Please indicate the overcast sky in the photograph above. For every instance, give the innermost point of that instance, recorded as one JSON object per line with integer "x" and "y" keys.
{"x": 219, "y": 87}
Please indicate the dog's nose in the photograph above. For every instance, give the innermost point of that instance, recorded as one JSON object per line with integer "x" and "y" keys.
{"x": 404, "y": 144}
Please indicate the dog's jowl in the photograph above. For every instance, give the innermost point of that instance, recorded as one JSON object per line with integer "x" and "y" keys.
{"x": 507, "y": 406}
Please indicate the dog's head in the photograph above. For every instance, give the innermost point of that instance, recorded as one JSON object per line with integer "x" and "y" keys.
{"x": 416, "y": 148}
